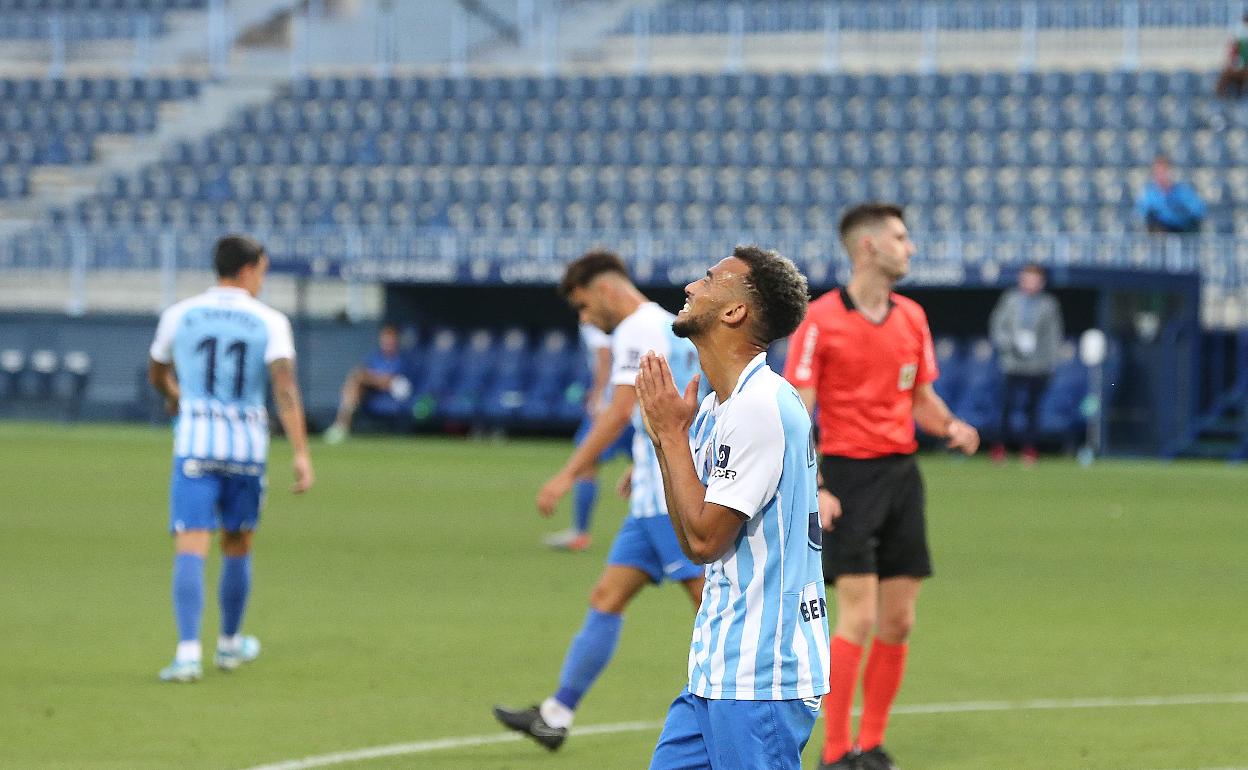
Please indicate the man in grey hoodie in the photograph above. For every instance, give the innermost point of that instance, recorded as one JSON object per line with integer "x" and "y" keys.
{"x": 1026, "y": 330}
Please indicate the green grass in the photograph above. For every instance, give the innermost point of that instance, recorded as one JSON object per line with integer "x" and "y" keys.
{"x": 408, "y": 592}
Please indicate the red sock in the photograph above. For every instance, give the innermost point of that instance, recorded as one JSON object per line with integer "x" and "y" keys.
{"x": 880, "y": 683}
{"x": 842, "y": 676}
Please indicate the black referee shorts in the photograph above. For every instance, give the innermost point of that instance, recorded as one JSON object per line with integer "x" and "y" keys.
{"x": 882, "y": 530}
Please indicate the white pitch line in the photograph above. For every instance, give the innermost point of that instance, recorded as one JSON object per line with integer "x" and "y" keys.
{"x": 965, "y": 707}
{"x": 422, "y": 747}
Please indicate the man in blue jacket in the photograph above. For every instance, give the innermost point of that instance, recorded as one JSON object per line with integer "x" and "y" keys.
{"x": 1168, "y": 206}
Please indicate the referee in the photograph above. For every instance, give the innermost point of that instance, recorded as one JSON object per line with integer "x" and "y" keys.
{"x": 863, "y": 357}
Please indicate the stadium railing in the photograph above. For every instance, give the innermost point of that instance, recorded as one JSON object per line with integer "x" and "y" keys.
{"x": 1022, "y": 27}
{"x": 658, "y": 258}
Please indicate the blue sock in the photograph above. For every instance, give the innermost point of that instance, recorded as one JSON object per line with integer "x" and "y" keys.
{"x": 589, "y": 654}
{"x": 233, "y": 591}
{"x": 584, "y": 495}
{"x": 188, "y": 594}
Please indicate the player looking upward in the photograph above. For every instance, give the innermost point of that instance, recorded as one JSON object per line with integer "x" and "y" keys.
{"x": 213, "y": 358}
{"x": 743, "y": 502}
{"x": 645, "y": 550}
{"x": 863, "y": 357}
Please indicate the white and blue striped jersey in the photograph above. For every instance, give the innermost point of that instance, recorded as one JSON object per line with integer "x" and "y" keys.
{"x": 762, "y": 630}
{"x": 648, "y": 328}
{"x": 593, "y": 339}
{"x": 221, "y": 343}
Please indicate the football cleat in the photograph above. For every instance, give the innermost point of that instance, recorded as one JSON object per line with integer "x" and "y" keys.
{"x": 334, "y": 434}
{"x": 182, "y": 671}
{"x": 567, "y": 540}
{"x": 529, "y": 721}
{"x": 876, "y": 759}
{"x": 248, "y": 650}
{"x": 848, "y": 761}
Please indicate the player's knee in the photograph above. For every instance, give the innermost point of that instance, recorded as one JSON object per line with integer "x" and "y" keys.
{"x": 607, "y": 598}
{"x": 236, "y": 543}
{"x": 855, "y": 626}
{"x": 895, "y": 627}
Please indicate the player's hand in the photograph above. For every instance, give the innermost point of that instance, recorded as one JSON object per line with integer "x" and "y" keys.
{"x": 301, "y": 464}
{"x": 171, "y": 406}
{"x": 625, "y": 486}
{"x": 963, "y": 437}
{"x": 829, "y": 510}
{"x": 552, "y": 492}
{"x": 665, "y": 411}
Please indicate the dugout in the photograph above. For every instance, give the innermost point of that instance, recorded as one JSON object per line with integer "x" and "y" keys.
{"x": 1151, "y": 318}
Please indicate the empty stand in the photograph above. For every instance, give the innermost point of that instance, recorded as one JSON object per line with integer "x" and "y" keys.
{"x": 979, "y": 152}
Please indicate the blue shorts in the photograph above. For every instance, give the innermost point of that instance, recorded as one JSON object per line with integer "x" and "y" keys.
{"x": 702, "y": 734}
{"x": 650, "y": 545}
{"x": 621, "y": 446}
{"x": 204, "y": 498}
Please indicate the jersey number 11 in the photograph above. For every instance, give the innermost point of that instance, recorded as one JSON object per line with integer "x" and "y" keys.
{"x": 238, "y": 349}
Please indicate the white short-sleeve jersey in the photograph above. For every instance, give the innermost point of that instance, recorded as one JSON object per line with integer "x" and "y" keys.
{"x": 762, "y": 630}
{"x": 648, "y": 328}
{"x": 220, "y": 344}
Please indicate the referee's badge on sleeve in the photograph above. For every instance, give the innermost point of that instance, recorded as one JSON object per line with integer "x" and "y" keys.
{"x": 906, "y": 377}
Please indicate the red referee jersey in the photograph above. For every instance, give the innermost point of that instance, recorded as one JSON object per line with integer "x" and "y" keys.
{"x": 864, "y": 374}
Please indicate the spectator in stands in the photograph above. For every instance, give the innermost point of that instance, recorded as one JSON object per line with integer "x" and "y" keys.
{"x": 1026, "y": 330}
{"x": 1168, "y": 206}
{"x": 1234, "y": 76}
{"x": 378, "y": 386}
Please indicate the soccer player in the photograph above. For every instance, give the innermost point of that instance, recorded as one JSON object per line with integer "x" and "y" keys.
{"x": 741, "y": 494}
{"x": 212, "y": 359}
{"x": 864, "y": 358}
{"x": 597, "y": 344}
{"x": 645, "y": 550}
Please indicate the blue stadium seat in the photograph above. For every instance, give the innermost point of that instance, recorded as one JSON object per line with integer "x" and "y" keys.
{"x": 979, "y": 400}
{"x": 948, "y": 359}
{"x": 555, "y": 364}
{"x": 1059, "y": 415}
{"x": 505, "y": 396}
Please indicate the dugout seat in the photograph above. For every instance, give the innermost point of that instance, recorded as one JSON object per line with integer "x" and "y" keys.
{"x": 979, "y": 401}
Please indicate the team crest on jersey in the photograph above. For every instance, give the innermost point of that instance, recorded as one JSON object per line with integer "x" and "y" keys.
{"x": 721, "y": 471}
{"x": 905, "y": 378}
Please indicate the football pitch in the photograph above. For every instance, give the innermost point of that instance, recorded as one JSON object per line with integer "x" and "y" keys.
{"x": 1079, "y": 618}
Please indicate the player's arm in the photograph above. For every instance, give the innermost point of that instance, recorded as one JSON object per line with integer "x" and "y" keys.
{"x": 606, "y": 428}
{"x": 933, "y": 416}
{"x": 160, "y": 371}
{"x": 376, "y": 378}
{"x": 289, "y": 403}
{"x": 999, "y": 325}
{"x": 807, "y": 394}
{"x": 598, "y": 385}
{"x": 165, "y": 381}
{"x": 802, "y": 371}
{"x": 705, "y": 529}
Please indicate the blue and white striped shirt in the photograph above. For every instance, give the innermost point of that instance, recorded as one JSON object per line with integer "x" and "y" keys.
{"x": 762, "y": 630}
{"x": 220, "y": 344}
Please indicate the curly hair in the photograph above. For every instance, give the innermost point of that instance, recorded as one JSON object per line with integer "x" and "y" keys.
{"x": 777, "y": 292}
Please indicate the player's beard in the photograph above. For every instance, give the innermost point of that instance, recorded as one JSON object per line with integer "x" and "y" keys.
{"x": 693, "y": 325}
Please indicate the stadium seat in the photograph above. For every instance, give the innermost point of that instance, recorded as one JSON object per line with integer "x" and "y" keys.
{"x": 979, "y": 399}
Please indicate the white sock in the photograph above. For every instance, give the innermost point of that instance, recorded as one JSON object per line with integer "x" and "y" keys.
{"x": 229, "y": 643}
{"x": 188, "y": 652}
{"x": 555, "y": 713}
